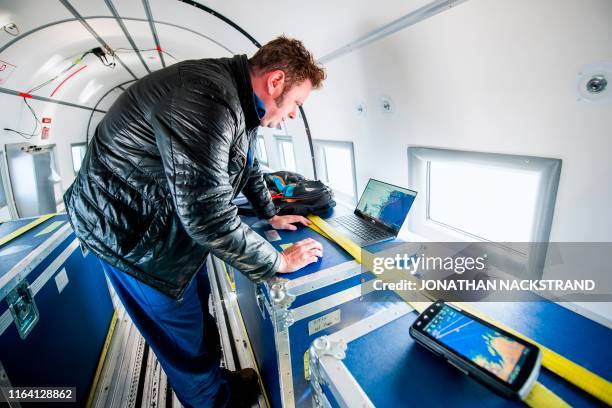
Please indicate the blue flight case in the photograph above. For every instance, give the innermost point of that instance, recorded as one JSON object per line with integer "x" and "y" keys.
{"x": 375, "y": 362}
{"x": 55, "y": 310}
{"x": 284, "y": 315}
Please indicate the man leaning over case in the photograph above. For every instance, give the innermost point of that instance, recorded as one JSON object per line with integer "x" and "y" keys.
{"x": 154, "y": 197}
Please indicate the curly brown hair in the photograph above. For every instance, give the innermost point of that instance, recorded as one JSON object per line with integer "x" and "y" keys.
{"x": 290, "y": 56}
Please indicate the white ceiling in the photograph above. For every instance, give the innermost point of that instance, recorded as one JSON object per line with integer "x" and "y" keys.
{"x": 184, "y": 31}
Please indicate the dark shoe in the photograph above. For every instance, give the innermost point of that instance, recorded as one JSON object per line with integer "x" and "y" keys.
{"x": 244, "y": 387}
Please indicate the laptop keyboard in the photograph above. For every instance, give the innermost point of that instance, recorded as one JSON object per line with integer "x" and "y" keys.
{"x": 360, "y": 228}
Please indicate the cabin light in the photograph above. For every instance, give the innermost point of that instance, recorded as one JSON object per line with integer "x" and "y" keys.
{"x": 11, "y": 29}
{"x": 7, "y": 25}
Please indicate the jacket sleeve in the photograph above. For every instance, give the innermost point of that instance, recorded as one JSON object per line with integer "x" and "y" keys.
{"x": 256, "y": 191}
{"x": 194, "y": 133}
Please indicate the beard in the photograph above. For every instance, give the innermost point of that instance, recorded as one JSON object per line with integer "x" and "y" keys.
{"x": 279, "y": 101}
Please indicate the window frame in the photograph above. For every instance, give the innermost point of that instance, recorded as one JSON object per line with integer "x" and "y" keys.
{"x": 321, "y": 163}
{"x": 279, "y": 140}
{"x": 72, "y": 155}
{"x": 531, "y": 261}
{"x": 259, "y": 160}
{"x": 5, "y": 185}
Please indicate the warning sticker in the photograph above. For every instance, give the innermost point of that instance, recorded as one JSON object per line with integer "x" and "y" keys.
{"x": 6, "y": 70}
{"x": 44, "y": 134}
{"x": 61, "y": 280}
{"x": 323, "y": 322}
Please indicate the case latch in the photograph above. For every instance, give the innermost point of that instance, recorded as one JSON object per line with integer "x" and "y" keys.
{"x": 322, "y": 346}
{"x": 279, "y": 296}
{"x": 280, "y": 302}
{"x": 23, "y": 308}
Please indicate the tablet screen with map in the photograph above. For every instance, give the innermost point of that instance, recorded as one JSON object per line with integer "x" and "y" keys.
{"x": 481, "y": 344}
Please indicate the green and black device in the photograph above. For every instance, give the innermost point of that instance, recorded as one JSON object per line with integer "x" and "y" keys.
{"x": 499, "y": 360}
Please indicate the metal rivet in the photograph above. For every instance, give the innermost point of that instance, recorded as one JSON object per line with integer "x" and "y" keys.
{"x": 597, "y": 84}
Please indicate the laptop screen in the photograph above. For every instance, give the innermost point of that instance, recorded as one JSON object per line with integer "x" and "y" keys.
{"x": 386, "y": 203}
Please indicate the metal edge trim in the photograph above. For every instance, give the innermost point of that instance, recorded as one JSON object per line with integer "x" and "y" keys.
{"x": 331, "y": 301}
{"x": 371, "y": 323}
{"x": 229, "y": 301}
{"x": 27, "y": 264}
{"x": 323, "y": 400}
{"x": 57, "y": 263}
{"x": 345, "y": 388}
{"x": 249, "y": 359}
{"x": 218, "y": 314}
{"x": 285, "y": 377}
{"x": 326, "y": 277}
{"x": 7, "y": 318}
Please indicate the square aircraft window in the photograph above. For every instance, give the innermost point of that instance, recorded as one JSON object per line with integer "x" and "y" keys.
{"x": 486, "y": 197}
{"x": 5, "y": 214}
{"x": 486, "y": 201}
{"x": 286, "y": 152}
{"x": 335, "y": 162}
{"x": 78, "y": 153}
{"x": 262, "y": 154}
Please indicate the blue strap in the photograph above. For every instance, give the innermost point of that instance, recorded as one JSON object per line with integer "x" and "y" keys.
{"x": 279, "y": 184}
{"x": 289, "y": 190}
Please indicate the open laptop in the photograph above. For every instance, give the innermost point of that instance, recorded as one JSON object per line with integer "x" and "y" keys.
{"x": 379, "y": 215}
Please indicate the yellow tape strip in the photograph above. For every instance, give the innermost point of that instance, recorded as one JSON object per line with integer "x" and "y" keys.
{"x": 24, "y": 229}
{"x": 319, "y": 230}
{"x": 333, "y": 235}
{"x": 540, "y": 395}
{"x": 105, "y": 347}
{"x": 564, "y": 368}
{"x": 229, "y": 279}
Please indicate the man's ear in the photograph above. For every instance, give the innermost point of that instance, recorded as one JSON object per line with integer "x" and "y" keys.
{"x": 276, "y": 83}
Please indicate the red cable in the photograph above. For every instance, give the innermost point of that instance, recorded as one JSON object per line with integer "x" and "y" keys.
{"x": 67, "y": 78}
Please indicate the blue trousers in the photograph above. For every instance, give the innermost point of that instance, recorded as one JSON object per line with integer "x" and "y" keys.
{"x": 182, "y": 334}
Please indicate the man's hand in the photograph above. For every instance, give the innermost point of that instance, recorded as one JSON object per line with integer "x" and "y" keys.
{"x": 286, "y": 221}
{"x": 300, "y": 254}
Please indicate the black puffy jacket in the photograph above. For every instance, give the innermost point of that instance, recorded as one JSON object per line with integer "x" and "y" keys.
{"x": 154, "y": 193}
